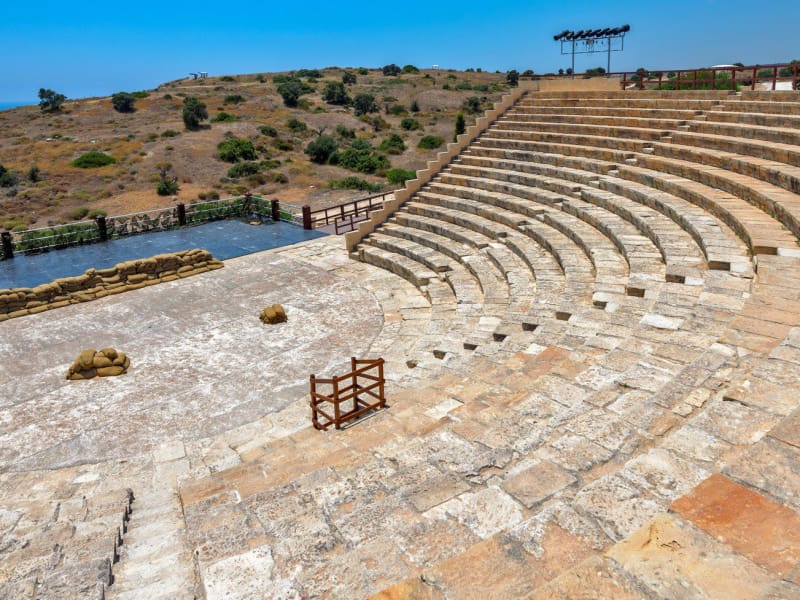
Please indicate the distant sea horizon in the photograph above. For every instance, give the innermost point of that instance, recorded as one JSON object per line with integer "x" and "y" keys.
{"x": 6, "y": 104}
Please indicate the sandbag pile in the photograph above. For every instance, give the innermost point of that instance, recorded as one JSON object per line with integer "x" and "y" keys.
{"x": 273, "y": 314}
{"x": 98, "y": 283}
{"x": 102, "y": 363}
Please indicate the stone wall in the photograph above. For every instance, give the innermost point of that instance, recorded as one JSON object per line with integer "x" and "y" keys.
{"x": 98, "y": 283}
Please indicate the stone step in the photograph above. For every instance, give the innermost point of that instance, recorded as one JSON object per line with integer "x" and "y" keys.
{"x": 754, "y": 118}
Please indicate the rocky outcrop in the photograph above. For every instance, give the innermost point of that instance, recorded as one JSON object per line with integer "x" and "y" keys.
{"x": 98, "y": 283}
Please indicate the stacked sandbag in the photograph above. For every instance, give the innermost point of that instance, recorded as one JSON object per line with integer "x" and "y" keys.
{"x": 98, "y": 283}
{"x": 101, "y": 363}
{"x": 273, "y": 314}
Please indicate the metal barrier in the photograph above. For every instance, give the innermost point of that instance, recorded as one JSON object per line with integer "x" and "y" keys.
{"x": 327, "y": 409}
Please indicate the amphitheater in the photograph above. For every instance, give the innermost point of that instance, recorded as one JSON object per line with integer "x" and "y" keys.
{"x": 589, "y": 312}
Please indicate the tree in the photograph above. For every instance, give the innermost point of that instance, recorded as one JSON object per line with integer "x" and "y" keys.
{"x": 414, "y": 106}
{"x": 50, "y": 101}
{"x": 512, "y": 77}
{"x": 290, "y": 92}
{"x": 472, "y": 105}
{"x": 123, "y": 102}
{"x": 34, "y": 174}
{"x": 321, "y": 149}
{"x": 335, "y": 93}
{"x": 365, "y": 103}
{"x": 348, "y": 78}
{"x": 461, "y": 126}
{"x": 392, "y": 70}
{"x": 410, "y": 69}
{"x": 167, "y": 184}
{"x": 194, "y": 111}
{"x": 7, "y": 178}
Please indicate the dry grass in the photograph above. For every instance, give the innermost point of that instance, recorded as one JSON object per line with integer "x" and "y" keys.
{"x": 51, "y": 142}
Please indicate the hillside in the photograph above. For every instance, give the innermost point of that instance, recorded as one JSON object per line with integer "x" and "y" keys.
{"x": 155, "y": 134}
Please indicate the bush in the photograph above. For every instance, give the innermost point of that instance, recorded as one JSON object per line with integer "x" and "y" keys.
{"x": 392, "y": 145}
{"x": 268, "y": 130}
{"x": 76, "y": 214}
{"x": 345, "y": 132}
{"x": 34, "y": 174}
{"x": 296, "y": 125}
{"x": 355, "y": 183}
{"x": 398, "y": 110}
{"x": 335, "y": 93}
{"x": 399, "y": 176}
{"x": 224, "y": 117}
{"x": 410, "y": 124}
{"x": 244, "y": 169}
{"x": 227, "y": 78}
{"x": 276, "y": 177}
{"x": 97, "y": 212}
{"x": 50, "y": 101}
{"x": 308, "y": 73}
{"x": 93, "y": 160}
{"x": 359, "y": 156}
{"x": 512, "y": 77}
{"x": 414, "y": 106}
{"x": 392, "y": 70}
{"x": 461, "y": 126}
{"x": 140, "y": 95}
{"x": 430, "y": 142}
{"x": 321, "y": 149}
{"x": 410, "y": 69}
{"x": 364, "y": 104}
{"x": 233, "y": 99}
{"x": 291, "y": 89}
{"x": 597, "y": 71}
{"x": 194, "y": 111}
{"x": 348, "y": 78}
{"x": 362, "y": 71}
{"x": 283, "y": 145}
{"x": 123, "y": 102}
{"x": 7, "y": 179}
{"x": 472, "y": 105}
{"x": 170, "y": 133}
{"x": 236, "y": 149}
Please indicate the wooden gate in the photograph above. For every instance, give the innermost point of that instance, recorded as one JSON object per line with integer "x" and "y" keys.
{"x": 351, "y": 395}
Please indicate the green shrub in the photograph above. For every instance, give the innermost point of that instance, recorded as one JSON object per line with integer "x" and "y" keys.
{"x": 461, "y": 126}
{"x": 321, "y": 149}
{"x": 362, "y": 71}
{"x": 283, "y": 145}
{"x": 291, "y": 89}
{"x": 399, "y": 176}
{"x": 430, "y": 142}
{"x": 170, "y": 133}
{"x": 398, "y": 110}
{"x": 308, "y": 73}
{"x": 236, "y": 149}
{"x": 140, "y": 94}
{"x": 50, "y": 101}
{"x": 392, "y": 70}
{"x": 93, "y": 160}
{"x": 34, "y": 174}
{"x": 463, "y": 85}
{"x": 227, "y": 78}
{"x": 512, "y": 77}
{"x": 410, "y": 69}
{"x": 345, "y": 132}
{"x": 224, "y": 117}
{"x": 123, "y": 102}
{"x": 410, "y": 124}
{"x": 276, "y": 177}
{"x": 414, "y": 106}
{"x": 472, "y": 105}
{"x": 392, "y": 145}
{"x": 233, "y": 99}
{"x": 359, "y": 156}
{"x": 270, "y": 164}
{"x": 268, "y": 130}
{"x": 194, "y": 111}
{"x": 335, "y": 93}
{"x": 296, "y": 125}
{"x": 76, "y": 214}
{"x": 167, "y": 188}
{"x": 364, "y": 103}
{"x": 348, "y": 78}
{"x": 355, "y": 183}
{"x": 244, "y": 169}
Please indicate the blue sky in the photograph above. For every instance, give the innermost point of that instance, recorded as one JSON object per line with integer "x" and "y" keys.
{"x": 88, "y": 48}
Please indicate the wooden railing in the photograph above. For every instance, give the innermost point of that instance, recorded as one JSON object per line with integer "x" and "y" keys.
{"x": 351, "y": 395}
{"x": 345, "y": 217}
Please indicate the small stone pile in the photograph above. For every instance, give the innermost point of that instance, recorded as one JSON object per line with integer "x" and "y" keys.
{"x": 273, "y": 314}
{"x": 102, "y": 363}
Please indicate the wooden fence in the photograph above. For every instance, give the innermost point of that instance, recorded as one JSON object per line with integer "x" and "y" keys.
{"x": 351, "y": 395}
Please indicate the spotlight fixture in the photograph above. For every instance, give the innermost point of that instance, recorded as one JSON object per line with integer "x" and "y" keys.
{"x": 589, "y": 41}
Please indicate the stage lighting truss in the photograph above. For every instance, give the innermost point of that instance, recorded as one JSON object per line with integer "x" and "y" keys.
{"x": 591, "y": 41}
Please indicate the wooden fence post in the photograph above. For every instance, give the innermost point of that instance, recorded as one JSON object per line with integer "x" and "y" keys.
{"x": 276, "y": 209}
{"x": 102, "y": 228}
{"x": 306, "y": 217}
{"x": 8, "y": 246}
{"x": 181, "y": 214}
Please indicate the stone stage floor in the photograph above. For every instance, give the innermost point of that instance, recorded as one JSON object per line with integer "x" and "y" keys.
{"x": 202, "y": 362}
